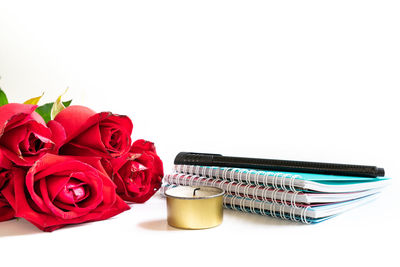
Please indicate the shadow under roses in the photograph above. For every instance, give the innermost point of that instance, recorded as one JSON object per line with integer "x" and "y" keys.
{"x": 17, "y": 227}
{"x": 20, "y": 226}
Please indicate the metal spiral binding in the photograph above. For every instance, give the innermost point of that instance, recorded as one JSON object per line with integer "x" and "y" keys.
{"x": 241, "y": 174}
{"x": 237, "y": 189}
{"x": 197, "y": 170}
{"x": 277, "y": 195}
{"x": 292, "y": 216}
{"x": 236, "y": 202}
{"x": 258, "y": 207}
{"x": 229, "y": 186}
{"x": 209, "y": 179}
{"x": 192, "y": 181}
{"x": 272, "y": 211}
{"x": 248, "y": 177}
{"x": 262, "y": 209}
{"x": 282, "y": 212}
{"x": 283, "y": 181}
{"x": 246, "y": 191}
{"x": 273, "y": 196}
{"x": 273, "y": 179}
{"x": 210, "y": 172}
{"x": 252, "y": 206}
{"x": 292, "y": 180}
{"x": 249, "y": 183}
{"x": 265, "y": 179}
{"x": 232, "y": 200}
{"x": 215, "y": 181}
{"x": 293, "y": 199}
{"x": 224, "y": 174}
{"x": 166, "y": 187}
{"x": 203, "y": 172}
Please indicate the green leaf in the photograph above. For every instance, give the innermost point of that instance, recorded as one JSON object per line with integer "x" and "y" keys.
{"x": 3, "y": 98}
{"x": 45, "y": 110}
{"x": 67, "y": 103}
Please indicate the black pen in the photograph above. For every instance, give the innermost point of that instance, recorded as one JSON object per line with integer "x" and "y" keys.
{"x": 191, "y": 158}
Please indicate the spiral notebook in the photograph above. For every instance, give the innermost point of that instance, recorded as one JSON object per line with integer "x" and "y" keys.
{"x": 287, "y": 180}
{"x": 266, "y": 193}
{"x": 307, "y": 215}
{"x": 308, "y": 197}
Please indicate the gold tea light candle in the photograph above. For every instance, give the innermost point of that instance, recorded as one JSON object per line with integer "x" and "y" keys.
{"x": 191, "y": 207}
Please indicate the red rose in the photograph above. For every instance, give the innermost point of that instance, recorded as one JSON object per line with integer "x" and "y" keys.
{"x": 6, "y": 211}
{"x": 138, "y": 175}
{"x": 94, "y": 134}
{"x": 62, "y": 190}
{"x": 24, "y": 136}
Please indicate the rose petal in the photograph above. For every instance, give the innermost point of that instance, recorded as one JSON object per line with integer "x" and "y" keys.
{"x": 124, "y": 123}
{"x": 84, "y": 130}
{"x": 5, "y": 163}
{"x": 92, "y": 162}
{"x": 13, "y": 115}
{"x": 74, "y": 191}
{"x": 58, "y": 165}
{"x": 118, "y": 207}
{"x": 58, "y": 135}
{"x": 141, "y": 145}
{"x": 76, "y": 119}
{"x": 21, "y": 161}
{"x": 91, "y": 138}
{"x": 56, "y": 217}
{"x": 16, "y": 139}
{"x": 56, "y": 183}
{"x": 59, "y": 213}
{"x": 6, "y": 212}
{"x": 13, "y": 138}
{"x": 7, "y": 199}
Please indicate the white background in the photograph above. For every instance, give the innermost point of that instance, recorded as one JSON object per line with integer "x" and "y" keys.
{"x": 301, "y": 80}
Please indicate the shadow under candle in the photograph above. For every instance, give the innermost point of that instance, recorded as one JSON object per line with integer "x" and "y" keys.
{"x": 157, "y": 225}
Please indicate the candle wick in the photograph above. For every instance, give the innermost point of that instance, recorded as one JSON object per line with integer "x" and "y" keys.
{"x": 194, "y": 191}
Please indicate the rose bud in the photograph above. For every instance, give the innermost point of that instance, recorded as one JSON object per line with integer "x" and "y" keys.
{"x": 63, "y": 190}
{"x": 6, "y": 211}
{"x": 94, "y": 134}
{"x": 24, "y": 136}
{"x": 138, "y": 175}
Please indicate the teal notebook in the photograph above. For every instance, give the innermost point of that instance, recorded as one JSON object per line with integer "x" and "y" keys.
{"x": 287, "y": 180}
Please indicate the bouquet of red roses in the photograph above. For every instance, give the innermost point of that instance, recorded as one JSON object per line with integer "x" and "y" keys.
{"x": 62, "y": 164}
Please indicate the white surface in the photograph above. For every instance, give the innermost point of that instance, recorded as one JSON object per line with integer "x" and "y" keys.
{"x": 303, "y": 80}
